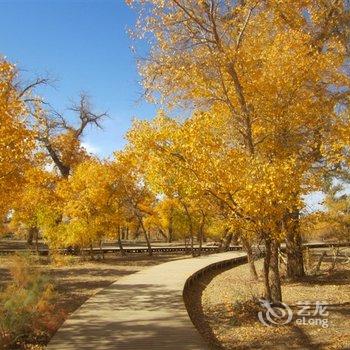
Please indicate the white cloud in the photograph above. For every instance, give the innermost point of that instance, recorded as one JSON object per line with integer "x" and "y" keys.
{"x": 92, "y": 149}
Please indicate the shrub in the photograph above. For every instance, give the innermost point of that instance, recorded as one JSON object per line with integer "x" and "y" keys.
{"x": 60, "y": 260}
{"x": 27, "y": 308}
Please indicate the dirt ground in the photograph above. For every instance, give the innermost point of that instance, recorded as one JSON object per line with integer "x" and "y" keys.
{"x": 76, "y": 280}
{"x": 227, "y": 316}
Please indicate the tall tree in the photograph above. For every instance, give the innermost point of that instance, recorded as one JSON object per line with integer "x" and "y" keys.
{"x": 275, "y": 72}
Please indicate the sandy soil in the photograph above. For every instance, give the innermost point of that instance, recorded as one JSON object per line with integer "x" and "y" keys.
{"x": 226, "y": 316}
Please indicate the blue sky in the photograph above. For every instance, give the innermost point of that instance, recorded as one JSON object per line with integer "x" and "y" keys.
{"x": 84, "y": 44}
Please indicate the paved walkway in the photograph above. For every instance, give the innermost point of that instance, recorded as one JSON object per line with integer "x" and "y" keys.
{"x": 144, "y": 310}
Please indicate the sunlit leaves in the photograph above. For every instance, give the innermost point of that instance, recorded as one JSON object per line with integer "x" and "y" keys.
{"x": 16, "y": 141}
{"x": 270, "y": 78}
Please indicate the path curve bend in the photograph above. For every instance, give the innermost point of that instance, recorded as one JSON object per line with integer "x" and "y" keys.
{"x": 144, "y": 310}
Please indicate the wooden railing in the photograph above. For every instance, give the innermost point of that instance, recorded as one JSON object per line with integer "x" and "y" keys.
{"x": 157, "y": 249}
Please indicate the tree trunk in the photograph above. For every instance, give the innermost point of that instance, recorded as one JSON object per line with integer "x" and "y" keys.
{"x": 235, "y": 238}
{"x": 221, "y": 244}
{"x": 161, "y": 232}
{"x": 275, "y": 281}
{"x": 101, "y": 250}
{"x": 222, "y": 239}
{"x": 267, "y": 259}
{"x": 191, "y": 239}
{"x": 137, "y": 231}
{"x": 201, "y": 232}
{"x": 200, "y": 236}
{"x": 318, "y": 267}
{"x": 228, "y": 240}
{"x": 37, "y": 241}
{"x": 63, "y": 168}
{"x": 185, "y": 241}
{"x": 149, "y": 247}
{"x": 120, "y": 245}
{"x": 190, "y": 227}
{"x": 31, "y": 235}
{"x": 170, "y": 228}
{"x": 294, "y": 249}
{"x": 248, "y": 248}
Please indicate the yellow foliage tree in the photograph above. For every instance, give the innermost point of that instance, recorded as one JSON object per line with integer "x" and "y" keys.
{"x": 271, "y": 78}
{"x": 134, "y": 194}
{"x": 37, "y": 203}
{"x": 16, "y": 140}
{"x": 89, "y": 213}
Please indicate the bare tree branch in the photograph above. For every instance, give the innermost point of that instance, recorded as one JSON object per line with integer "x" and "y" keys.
{"x": 86, "y": 116}
{"x": 37, "y": 82}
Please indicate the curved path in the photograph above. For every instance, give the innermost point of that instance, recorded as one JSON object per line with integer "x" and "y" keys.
{"x": 144, "y": 310}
